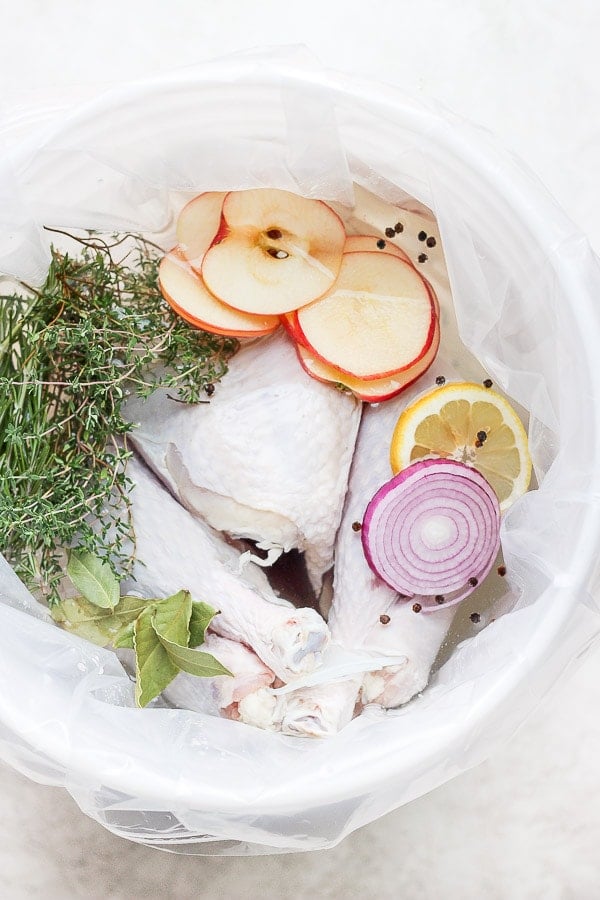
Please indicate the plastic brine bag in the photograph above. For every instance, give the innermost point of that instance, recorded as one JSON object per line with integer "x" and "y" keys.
{"x": 524, "y": 284}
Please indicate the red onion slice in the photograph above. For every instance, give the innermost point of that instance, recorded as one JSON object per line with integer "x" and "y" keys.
{"x": 433, "y": 532}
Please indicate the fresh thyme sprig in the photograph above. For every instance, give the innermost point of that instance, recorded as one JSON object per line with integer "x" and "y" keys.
{"x": 70, "y": 354}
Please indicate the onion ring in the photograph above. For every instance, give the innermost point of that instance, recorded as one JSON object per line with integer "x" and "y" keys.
{"x": 432, "y": 532}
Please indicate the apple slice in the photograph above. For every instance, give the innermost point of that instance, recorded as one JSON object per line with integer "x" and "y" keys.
{"x": 186, "y": 293}
{"x": 378, "y": 319}
{"x": 290, "y": 323}
{"x": 434, "y": 299}
{"x": 278, "y": 252}
{"x": 198, "y": 224}
{"x": 371, "y": 244}
{"x": 374, "y": 391}
{"x": 364, "y": 390}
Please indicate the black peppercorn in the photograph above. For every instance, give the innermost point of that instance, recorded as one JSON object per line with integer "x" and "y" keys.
{"x": 488, "y": 383}
{"x": 398, "y": 227}
{"x": 275, "y": 234}
{"x": 482, "y": 436}
{"x": 422, "y": 257}
{"x": 417, "y": 607}
{"x": 473, "y": 582}
{"x": 422, "y": 235}
{"x": 385, "y": 620}
{"x": 440, "y": 380}
{"x": 475, "y": 617}
{"x": 356, "y": 526}
{"x": 502, "y": 570}
{"x": 381, "y": 243}
{"x": 431, "y": 242}
{"x": 389, "y": 232}
{"x": 209, "y": 389}
{"x": 439, "y": 598}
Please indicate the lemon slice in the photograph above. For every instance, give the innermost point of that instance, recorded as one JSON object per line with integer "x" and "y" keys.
{"x": 472, "y": 424}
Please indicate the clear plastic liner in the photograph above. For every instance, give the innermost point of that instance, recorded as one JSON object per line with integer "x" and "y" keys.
{"x": 525, "y": 286}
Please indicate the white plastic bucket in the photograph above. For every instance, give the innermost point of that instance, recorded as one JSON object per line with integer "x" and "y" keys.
{"x": 526, "y": 288}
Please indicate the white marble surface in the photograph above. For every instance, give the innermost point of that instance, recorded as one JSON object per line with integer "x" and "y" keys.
{"x": 526, "y": 824}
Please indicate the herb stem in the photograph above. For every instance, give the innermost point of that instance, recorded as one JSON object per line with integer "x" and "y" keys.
{"x": 70, "y": 354}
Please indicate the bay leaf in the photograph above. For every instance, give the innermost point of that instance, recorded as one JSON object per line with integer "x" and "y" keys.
{"x": 195, "y": 662}
{"x": 125, "y": 638}
{"x": 158, "y": 630}
{"x": 154, "y": 670}
{"x": 84, "y": 620}
{"x": 100, "y": 626}
{"x": 201, "y": 617}
{"x": 172, "y": 617}
{"x": 94, "y": 578}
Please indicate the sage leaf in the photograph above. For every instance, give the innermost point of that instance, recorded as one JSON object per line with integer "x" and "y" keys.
{"x": 202, "y": 616}
{"x": 154, "y": 670}
{"x": 94, "y": 578}
{"x": 195, "y": 662}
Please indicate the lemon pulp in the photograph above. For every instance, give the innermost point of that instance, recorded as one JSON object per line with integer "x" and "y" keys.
{"x": 472, "y": 424}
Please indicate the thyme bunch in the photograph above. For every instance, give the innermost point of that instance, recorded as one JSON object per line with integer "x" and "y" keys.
{"x": 70, "y": 354}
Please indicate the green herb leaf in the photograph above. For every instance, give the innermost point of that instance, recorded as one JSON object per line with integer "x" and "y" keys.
{"x": 83, "y": 619}
{"x": 154, "y": 670}
{"x": 159, "y": 631}
{"x": 202, "y": 616}
{"x": 94, "y": 578}
{"x": 172, "y": 617}
{"x": 179, "y": 622}
{"x": 100, "y": 626}
{"x": 125, "y": 638}
{"x": 70, "y": 353}
{"x": 193, "y": 661}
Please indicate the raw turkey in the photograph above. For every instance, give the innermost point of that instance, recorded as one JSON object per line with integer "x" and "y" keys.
{"x": 360, "y": 598}
{"x": 266, "y": 459}
{"x": 223, "y": 693}
{"x": 411, "y": 641}
{"x": 175, "y": 550}
{"x": 320, "y": 710}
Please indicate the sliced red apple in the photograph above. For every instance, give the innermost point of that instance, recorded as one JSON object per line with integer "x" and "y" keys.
{"x": 186, "y": 293}
{"x": 292, "y": 326}
{"x": 433, "y": 295}
{"x": 290, "y": 323}
{"x": 369, "y": 243}
{"x": 376, "y": 390}
{"x": 198, "y": 224}
{"x": 320, "y": 368}
{"x": 378, "y": 319}
{"x": 278, "y": 252}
